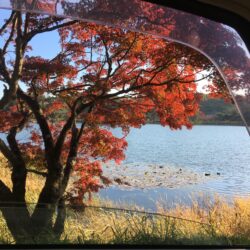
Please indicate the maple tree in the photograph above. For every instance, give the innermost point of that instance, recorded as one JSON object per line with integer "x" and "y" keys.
{"x": 102, "y": 78}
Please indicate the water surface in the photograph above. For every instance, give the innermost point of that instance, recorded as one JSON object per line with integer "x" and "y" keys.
{"x": 204, "y": 149}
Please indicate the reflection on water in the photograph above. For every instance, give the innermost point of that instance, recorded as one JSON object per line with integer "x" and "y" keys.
{"x": 204, "y": 149}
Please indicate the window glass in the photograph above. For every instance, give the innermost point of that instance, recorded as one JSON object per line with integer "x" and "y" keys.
{"x": 120, "y": 124}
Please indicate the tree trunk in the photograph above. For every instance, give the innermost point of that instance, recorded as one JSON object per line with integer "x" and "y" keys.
{"x": 42, "y": 217}
{"x": 17, "y": 223}
{"x": 60, "y": 219}
{"x": 27, "y": 228}
{"x": 16, "y": 216}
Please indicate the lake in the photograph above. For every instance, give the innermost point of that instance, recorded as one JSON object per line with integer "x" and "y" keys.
{"x": 204, "y": 149}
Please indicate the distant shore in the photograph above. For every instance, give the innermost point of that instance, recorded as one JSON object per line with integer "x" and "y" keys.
{"x": 208, "y": 123}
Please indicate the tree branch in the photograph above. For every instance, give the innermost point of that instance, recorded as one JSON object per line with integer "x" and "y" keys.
{"x": 3, "y": 70}
{"x": 7, "y": 22}
{"x": 42, "y": 122}
{"x": 10, "y": 94}
{"x": 10, "y": 36}
{"x": 12, "y": 139}
{"x": 43, "y": 174}
{"x": 71, "y": 156}
{"x": 5, "y": 195}
{"x": 33, "y": 33}
{"x": 7, "y": 152}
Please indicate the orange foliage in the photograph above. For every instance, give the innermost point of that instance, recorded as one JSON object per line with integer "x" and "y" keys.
{"x": 101, "y": 77}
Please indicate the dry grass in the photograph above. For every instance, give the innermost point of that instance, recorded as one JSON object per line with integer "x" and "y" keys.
{"x": 225, "y": 220}
{"x": 219, "y": 221}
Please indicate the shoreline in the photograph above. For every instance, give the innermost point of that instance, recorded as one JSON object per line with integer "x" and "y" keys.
{"x": 204, "y": 124}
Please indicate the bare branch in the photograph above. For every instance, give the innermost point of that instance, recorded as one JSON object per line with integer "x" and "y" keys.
{"x": 7, "y": 22}
{"x": 10, "y": 36}
{"x": 33, "y": 33}
{"x": 43, "y": 174}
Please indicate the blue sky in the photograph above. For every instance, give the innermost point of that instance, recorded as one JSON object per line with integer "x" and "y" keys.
{"x": 45, "y": 44}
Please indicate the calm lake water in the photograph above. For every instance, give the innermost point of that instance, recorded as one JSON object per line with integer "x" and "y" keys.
{"x": 204, "y": 149}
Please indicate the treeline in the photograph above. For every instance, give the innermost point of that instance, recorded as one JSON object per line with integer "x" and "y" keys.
{"x": 212, "y": 111}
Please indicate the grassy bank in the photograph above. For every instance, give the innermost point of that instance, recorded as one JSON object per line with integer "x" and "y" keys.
{"x": 213, "y": 223}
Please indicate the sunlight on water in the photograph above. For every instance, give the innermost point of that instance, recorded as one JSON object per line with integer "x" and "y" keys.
{"x": 220, "y": 151}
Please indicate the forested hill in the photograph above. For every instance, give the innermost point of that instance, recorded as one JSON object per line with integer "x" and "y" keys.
{"x": 212, "y": 111}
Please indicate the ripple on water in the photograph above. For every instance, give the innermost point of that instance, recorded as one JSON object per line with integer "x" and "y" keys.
{"x": 212, "y": 149}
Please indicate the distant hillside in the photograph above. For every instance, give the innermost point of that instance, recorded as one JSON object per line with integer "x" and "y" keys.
{"x": 216, "y": 111}
{"x": 212, "y": 111}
